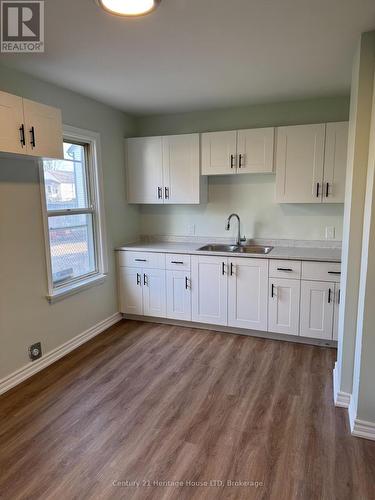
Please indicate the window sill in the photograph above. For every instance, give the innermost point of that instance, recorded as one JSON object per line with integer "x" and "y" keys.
{"x": 60, "y": 294}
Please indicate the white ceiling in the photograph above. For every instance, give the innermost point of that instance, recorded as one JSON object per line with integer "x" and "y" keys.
{"x": 199, "y": 54}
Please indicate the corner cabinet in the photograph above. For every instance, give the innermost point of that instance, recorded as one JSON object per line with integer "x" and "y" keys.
{"x": 29, "y": 128}
{"x": 165, "y": 170}
{"x": 238, "y": 151}
{"x": 311, "y": 163}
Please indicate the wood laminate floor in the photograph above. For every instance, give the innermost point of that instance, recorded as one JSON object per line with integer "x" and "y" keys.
{"x": 145, "y": 402}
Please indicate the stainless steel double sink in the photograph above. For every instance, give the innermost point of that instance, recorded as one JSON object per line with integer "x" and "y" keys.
{"x": 255, "y": 249}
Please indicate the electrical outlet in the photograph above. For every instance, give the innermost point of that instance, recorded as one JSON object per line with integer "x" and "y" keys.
{"x": 35, "y": 351}
{"x": 330, "y": 233}
{"x": 191, "y": 229}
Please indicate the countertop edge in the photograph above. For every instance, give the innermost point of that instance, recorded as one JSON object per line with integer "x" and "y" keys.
{"x": 278, "y": 253}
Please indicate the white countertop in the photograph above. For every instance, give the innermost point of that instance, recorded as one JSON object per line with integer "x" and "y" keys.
{"x": 278, "y": 252}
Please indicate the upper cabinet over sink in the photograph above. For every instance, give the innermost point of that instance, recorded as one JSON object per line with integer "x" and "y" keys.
{"x": 238, "y": 151}
{"x": 29, "y": 128}
{"x": 311, "y": 163}
{"x": 165, "y": 170}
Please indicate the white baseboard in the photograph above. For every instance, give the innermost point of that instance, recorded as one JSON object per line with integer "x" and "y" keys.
{"x": 31, "y": 369}
{"x": 363, "y": 429}
{"x": 341, "y": 398}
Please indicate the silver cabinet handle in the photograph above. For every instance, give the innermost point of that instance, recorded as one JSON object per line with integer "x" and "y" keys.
{"x": 166, "y": 190}
{"x": 139, "y": 280}
{"x": 160, "y": 193}
{"x": 232, "y": 161}
{"x": 240, "y": 165}
{"x": 317, "y": 189}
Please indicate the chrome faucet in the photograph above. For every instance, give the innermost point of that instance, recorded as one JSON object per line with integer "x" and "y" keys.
{"x": 227, "y": 227}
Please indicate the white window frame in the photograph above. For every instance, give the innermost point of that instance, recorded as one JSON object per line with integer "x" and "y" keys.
{"x": 92, "y": 139}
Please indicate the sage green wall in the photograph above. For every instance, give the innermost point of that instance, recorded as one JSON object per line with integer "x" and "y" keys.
{"x": 252, "y": 196}
{"x": 25, "y": 315}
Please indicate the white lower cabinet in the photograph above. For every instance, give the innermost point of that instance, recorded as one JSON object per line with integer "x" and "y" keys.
{"x": 317, "y": 306}
{"x": 240, "y": 292}
{"x": 247, "y": 293}
{"x": 154, "y": 298}
{"x": 130, "y": 286}
{"x": 209, "y": 289}
{"x": 143, "y": 291}
{"x": 284, "y": 306}
{"x": 178, "y": 295}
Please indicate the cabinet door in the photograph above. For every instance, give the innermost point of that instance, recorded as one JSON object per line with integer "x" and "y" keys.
{"x": 178, "y": 295}
{"x": 219, "y": 153}
{"x": 154, "y": 293}
{"x": 11, "y": 121}
{"x": 255, "y": 150}
{"x": 130, "y": 288}
{"x": 181, "y": 169}
{"x": 336, "y": 312}
{"x": 247, "y": 293}
{"x": 283, "y": 309}
{"x": 317, "y": 304}
{"x": 299, "y": 163}
{"x": 335, "y": 162}
{"x": 44, "y": 136}
{"x": 144, "y": 168}
{"x": 209, "y": 289}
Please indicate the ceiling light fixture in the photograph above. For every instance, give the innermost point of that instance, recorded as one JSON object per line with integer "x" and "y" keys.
{"x": 129, "y": 8}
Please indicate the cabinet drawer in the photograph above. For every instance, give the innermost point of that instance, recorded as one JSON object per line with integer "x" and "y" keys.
{"x": 321, "y": 271}
{"x": 144, "y": 260}
{"x": 290, "y": 269}
{"x": 177, "y": 262}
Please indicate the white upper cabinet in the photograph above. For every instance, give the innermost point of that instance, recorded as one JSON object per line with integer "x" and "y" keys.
{"x": 255, "y": 150}
{"x": 43, "y": 130}
{"x": 219, "y": 153}
{"x": 299, "y": 163}
{"x": 30, "y": 128}
{"x": 236, "y": 152}
{"x": 144, "y": 160}
{"x": 247, "y": 293}
{"x": 11, "y": 123}
{"x": 335, "y": 162}
{"x": 181, "y": 170}
{"x": 311, "y": 163}
{"x": 164, "y": 170}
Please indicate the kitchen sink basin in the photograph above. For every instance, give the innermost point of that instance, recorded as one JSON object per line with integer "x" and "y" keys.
{"x": 219, "y": 248}
{"x": 259, "y": 249}
{"x": 255, "y": 249}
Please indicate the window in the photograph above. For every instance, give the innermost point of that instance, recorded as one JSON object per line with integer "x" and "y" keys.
{"x": 74, "y": 226}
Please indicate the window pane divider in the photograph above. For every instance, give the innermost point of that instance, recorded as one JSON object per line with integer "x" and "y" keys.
{"x": 70, "y": 211}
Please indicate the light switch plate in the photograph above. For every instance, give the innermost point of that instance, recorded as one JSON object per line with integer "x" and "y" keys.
{"x": 330, "y": 233}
